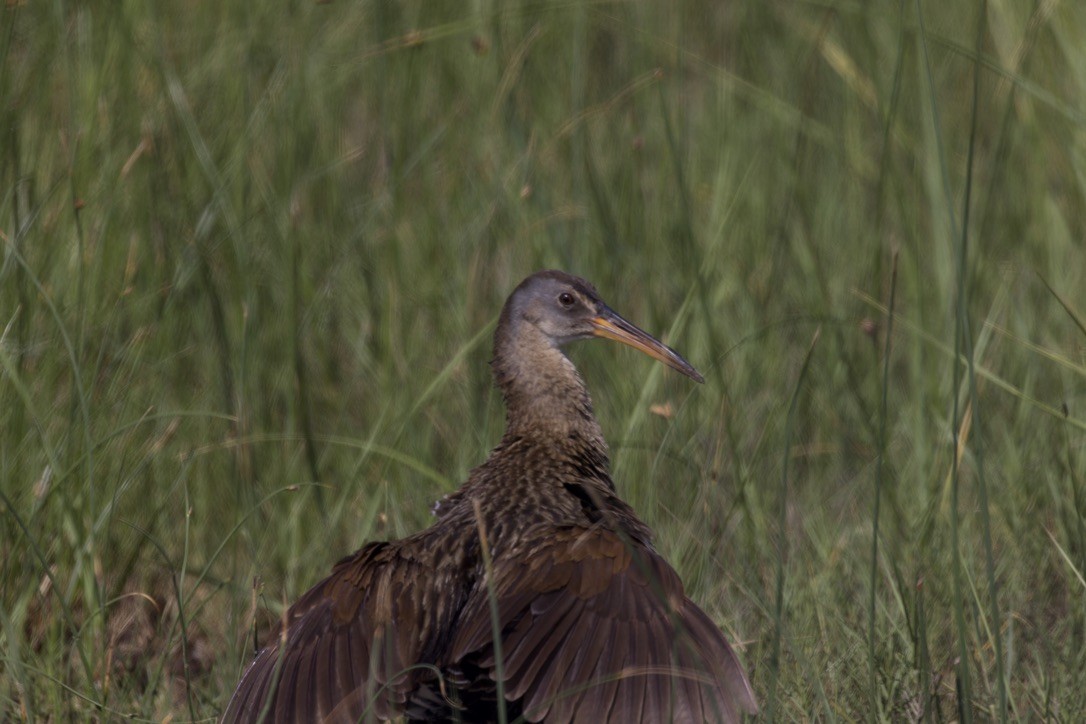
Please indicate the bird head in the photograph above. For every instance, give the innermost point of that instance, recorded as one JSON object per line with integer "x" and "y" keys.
{"x": 566, "y": 308}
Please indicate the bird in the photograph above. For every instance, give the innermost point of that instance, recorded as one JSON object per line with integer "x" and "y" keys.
{"x": 536, "y": 594}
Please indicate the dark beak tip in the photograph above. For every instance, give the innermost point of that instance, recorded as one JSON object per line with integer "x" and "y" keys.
{"x": 610, "y": 325}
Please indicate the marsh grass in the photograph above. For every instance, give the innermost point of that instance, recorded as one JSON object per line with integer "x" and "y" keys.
{"x": 253, "y": 254}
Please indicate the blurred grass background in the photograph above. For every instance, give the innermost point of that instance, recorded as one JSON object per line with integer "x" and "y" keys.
{"x": 252, "y": 255}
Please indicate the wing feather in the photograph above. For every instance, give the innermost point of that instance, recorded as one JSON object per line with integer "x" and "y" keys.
{"x": 344, "y": 649}
{"x": 595, "y": 629}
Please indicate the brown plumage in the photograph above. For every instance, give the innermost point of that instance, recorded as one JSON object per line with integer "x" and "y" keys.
{"x": 595, "y": 626}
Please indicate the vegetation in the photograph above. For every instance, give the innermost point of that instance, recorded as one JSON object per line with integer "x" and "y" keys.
{"x": 252, "y": 255}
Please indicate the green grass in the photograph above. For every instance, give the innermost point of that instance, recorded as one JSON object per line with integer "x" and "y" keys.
{"x": 252, "y": 256}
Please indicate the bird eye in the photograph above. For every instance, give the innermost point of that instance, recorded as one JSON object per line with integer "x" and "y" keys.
{"x": 565, "y": 299}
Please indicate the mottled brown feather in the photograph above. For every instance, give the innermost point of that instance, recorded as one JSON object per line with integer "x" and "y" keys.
{"x": 566, "y": 595}
{"x": 595, "y": 625}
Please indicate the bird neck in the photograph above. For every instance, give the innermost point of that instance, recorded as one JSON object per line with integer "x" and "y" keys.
{"x": 545, "y": 397}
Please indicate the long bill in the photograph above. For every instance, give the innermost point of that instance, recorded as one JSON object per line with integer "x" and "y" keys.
{"x": 609, "y": 325}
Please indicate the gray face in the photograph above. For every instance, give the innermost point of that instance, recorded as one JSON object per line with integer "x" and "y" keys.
{"x": 563, "y": 307}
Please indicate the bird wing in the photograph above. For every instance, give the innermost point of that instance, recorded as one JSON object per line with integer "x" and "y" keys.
{"x": 345, "y": 650}
{"x": 596, "y": 628}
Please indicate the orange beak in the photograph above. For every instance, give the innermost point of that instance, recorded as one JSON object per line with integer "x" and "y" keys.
{"x": 609, "y": 325}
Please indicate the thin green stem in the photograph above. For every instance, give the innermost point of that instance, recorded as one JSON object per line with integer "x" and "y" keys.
{"x": 880, "y": 464}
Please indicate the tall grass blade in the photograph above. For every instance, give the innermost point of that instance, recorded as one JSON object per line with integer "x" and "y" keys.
{"x": 495, "y": 620}
{"x": 772, "y": 697}
{"x": 964, "y": 336}
{"x": 880, "y": 462}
